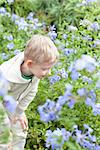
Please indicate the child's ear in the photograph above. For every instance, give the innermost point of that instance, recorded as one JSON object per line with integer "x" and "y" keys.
{"x": 29, "y": 63}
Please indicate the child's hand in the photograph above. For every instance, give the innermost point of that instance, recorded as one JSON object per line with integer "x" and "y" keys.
{"x": 22, "y": 120}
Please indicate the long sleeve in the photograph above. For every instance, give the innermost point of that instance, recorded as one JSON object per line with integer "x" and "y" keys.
{"x": 23, "y": 103}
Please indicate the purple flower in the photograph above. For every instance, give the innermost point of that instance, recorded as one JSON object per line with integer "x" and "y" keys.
{"x": 71, "y": 103}
{"x": 62, "y": 100}
{"x": 90, "y": 130}
{"x": 3, "y": 85}
{"x": 85, "y": 62}
{"x": 57, "y": 138}
{"x": 92, "y": 95}
{"x": 52, "y": 35}
{"x": 52, "y": 28}
{"x": 86, "y": 79}
{"x": 90, "y": 67}
{"x": 30, "y": 16}
{"x": 97, "y": 42}
{"x": 9, "y": 103}
{"x": 22, "y": 24}
{"x": 79, "y": 64}
{"x": 69, "y": 87}
{"x": 68, "y": 51}
{"x": 64, "y": 36}
{"x": 98, "y": 84}
{"x": 10, "y": 38}
{"x": 14, "y": 17}
{"x": 95, "y": 26}
{"x": 63, "y": 73}
{"x": 87, "y": 38}
{"x": 75, "y": 75}
{"x": 84, "y": 138}
{"x": 81, "y": 91}
{"x": 4, "y": 56}
{"x": 17, "y": 51}
{"x": 10, "y": 1}
{"x": 90, "y": 1}
{"x": 54, "y": 79}
{"x": 89, "y": 102}
{"x": 10, "y": 46}
{"x": 35, "y": 20}
{"x": 96, "y": 109}
{"x": 87, "y": 144}
{"x": 97, "y": 147}
{"x": 2, "y": 10}
{"x": 92, "y": 138}
{"x": 49, "y": 111}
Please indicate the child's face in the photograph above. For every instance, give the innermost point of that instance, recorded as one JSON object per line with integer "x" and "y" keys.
{"x": 41, "y": 70}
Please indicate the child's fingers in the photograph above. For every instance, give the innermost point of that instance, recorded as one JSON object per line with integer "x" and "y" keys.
{"x": 23, "y": 123}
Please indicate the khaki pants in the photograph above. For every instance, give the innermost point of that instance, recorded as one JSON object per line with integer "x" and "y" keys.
{"x": 16, "y": 135}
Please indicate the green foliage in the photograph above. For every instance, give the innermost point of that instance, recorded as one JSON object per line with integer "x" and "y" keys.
{"x": 2, "y": 1}
{"x": 62, "y": 13}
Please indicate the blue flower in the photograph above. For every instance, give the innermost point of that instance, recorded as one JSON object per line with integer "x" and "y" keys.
{"x": 63, "y": 73}
{"x": 10, "y": 37}
{"x": 10, "y": 1}
{"x": 96, "y": 109}
{"x": 35, "y": 20}
{"x": 10, "y": 46}
{"x": 90, "y": 1}
{"x": 86, "y": 79}
{"x": 71, "y": 103}
{"x": 2, "y": 10}
{"x": 16, "y": 51}
{"x": 90, "y": 67}
{"x": 52, "y": 35}
{"x": 3, "y": 85}
{"x": 95, "y": 26}
{"x": 92, "y": 95}
{"x": 68, "y": 51}
{"x": 52, "y": 28}
{"x": 62, "y": 100}
{"x": 81, "y": 91}
{"x": 49, "y": 111}
{"x": 96, "y": 43}
{"x": 85, "y": 62}
{"x": 69, "y": 87}
{"x": 22, "y": 24}
{"x": 64, "y": 36}
{"x": 89, "y": 102}
{"x": 30, "y": 16}
{"x": 84, "y": 138}
{"x": 97, "y": 147}
{"x": 54, "y": 79}
{"x": 74, "y": 74}
{"x": 4, "y": 56}
{"x": 57, "y": 138}
{"x": 98, "y": 84}
{"x": 9, "y": 103}
{"x": 90, "y": 130}
{"x": 14, "y": 17}
{"x": 87, "y": 145}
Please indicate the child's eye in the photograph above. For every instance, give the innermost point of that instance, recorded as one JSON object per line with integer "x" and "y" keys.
{"x": 44, "y": 69}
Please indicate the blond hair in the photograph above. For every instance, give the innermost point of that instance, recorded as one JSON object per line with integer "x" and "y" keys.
{"x": 40, "y": 48}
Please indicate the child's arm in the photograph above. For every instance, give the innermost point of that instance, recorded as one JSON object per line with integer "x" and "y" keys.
{"x": 21, "y": 107}
{"x": 22, "y": 119}
{"x": 23, "y": 103}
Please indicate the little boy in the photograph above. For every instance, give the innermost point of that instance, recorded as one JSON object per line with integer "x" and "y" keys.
{"x": 23, "y": 73}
